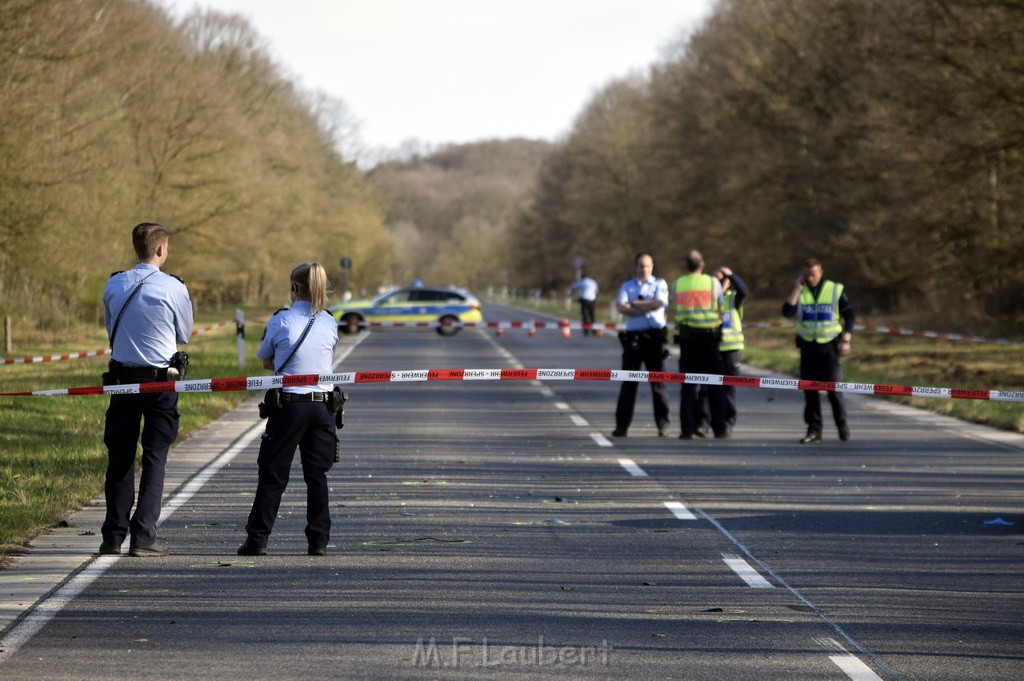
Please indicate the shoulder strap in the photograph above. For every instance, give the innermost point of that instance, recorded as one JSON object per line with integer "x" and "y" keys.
{"x": 296, "y": 348}
{"x": 117, "y": 322}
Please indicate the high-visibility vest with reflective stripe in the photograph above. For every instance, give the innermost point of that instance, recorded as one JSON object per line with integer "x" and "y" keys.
{"x": 697, "y": 304}
{"x": 818, "y": 320}
{"x": 732, "y": 325}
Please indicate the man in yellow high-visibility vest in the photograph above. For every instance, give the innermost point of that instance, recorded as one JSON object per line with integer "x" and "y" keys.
{"x": 824, "y": 327}
{"x": 699, "y": 306}
{"x": 735, "y": 292}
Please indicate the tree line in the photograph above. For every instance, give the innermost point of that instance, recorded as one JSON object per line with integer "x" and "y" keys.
{"x": 112, "y": 113}
{"x": 884, "y": 138}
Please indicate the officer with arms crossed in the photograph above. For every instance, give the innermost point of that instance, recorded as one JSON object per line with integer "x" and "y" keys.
{"x": 297, "y": 340}
{"x": 147, "y": 314}
{"x": 824, "y": 326}
{"x": 643, "y": 300}
{"x": 699, "y": 307}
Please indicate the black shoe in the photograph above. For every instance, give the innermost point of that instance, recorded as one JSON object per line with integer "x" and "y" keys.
{"x": 618, "y": 432}
{"x": 686, "y": 436}
{"x": 317, "y": 551}
{"x": 151, "y": 551}
{"x": 724, "y": 435}
{"x": 811, "y": 439}
{"x": 701, "y": 432}
{"x": 110, "y": 549}
{"x": 663, "y": 432}
{"x": 251, "y": 549}
{"x": 844, "y": 432}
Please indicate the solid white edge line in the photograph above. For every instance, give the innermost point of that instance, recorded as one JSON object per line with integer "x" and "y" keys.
{"x": 203, "y": 476}
{"x": 47, "y": 608}
{"x": 632, "y": 468}
{"x": 679, "y": 510}
{"x": 746, "y": 572}
{"x": 854, "y": 668}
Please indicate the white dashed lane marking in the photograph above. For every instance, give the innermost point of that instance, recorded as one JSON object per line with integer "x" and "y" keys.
{"x": 632, "y": 468}
{"x": 679, "y": 511}
{"x": 746, "y": 572}
{"x": 854, "y": 668}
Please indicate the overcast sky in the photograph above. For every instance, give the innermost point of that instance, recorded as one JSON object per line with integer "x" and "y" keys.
{"x": 462, "y": 70}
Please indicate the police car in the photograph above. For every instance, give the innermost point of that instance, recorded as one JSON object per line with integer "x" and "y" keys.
{"x": 444, "y": 305}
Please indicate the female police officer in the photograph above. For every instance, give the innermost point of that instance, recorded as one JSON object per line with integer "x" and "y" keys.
{"x": 297, "y": 340}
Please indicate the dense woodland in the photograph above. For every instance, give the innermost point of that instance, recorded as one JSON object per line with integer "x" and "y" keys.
{"x": 111, "y": 114}
{"x": 885, "y": 138}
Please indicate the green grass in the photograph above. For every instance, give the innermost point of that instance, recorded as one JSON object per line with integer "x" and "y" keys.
{"x": 906, "y": 360}
{"x": 53, "y": 458}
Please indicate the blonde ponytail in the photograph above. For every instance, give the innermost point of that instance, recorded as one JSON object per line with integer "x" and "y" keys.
{"x": 310, "y": 280}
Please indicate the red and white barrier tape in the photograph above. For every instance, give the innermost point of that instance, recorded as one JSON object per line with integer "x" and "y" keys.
{"x": 93, "y": 353}
{"x": 420, "y": 375}
{"x": 576, "y": 326}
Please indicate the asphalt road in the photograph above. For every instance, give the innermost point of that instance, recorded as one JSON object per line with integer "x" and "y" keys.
{"x": 493, "y": 530}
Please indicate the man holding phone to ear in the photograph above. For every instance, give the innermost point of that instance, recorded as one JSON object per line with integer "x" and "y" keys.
{"x": 824, "y": 328}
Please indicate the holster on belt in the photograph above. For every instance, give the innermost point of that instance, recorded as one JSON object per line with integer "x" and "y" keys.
{"x": 271, "y": 401}
{"x": 336, "y": 405}
{"x": 109, "y": 377}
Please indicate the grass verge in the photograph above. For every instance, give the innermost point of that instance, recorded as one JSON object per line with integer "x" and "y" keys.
{"x": 908, "y": 360}
{"x": 53, "y": 458}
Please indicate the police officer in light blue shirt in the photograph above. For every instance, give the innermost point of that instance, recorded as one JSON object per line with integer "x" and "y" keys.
{"x": 298, "y": 340}
{"x": 643, "y": 300}
{"x": 148, "y": 313}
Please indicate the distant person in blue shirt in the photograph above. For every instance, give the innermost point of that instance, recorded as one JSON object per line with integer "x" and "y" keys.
{"x": 586, "y": 292}
{"x": 148, "y": 314}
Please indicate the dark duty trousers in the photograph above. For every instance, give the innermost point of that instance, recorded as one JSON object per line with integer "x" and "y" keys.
{"x": 731, "y": 366}
{"x": 587, "y": 315}
{"x": 125, "y": 417}
{"x": 647, "y": 350}
{"x": 698, "y": 353}
{"x": 820, "y": 362}
{"x": 310, "y": 427}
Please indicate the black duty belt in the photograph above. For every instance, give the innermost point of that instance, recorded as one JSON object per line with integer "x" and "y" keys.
{"x": 645, "y": 332}
{"x": 304, "y": 397}
{"x": 698, "y": 329}
{"x": 140, "y": 374}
